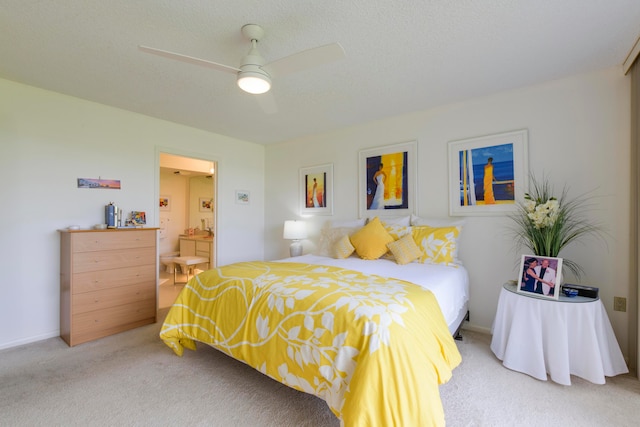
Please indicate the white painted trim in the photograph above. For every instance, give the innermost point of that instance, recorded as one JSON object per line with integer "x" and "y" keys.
{"x": 475, "y": 328}
{"x": 631, "y": 58}
{"x": 30, "y": 339}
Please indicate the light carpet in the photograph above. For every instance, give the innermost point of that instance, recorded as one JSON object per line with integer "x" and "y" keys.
{"x": 133, "y": 379}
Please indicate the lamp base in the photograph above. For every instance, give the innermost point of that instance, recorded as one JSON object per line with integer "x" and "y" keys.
{"x": 296, "y": 248}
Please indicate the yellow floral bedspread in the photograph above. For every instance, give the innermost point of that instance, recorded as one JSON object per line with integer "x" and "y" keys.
{"x": 375, "y": 349}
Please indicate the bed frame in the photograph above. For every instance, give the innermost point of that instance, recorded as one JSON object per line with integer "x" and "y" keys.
{"x": 465, "y": 316}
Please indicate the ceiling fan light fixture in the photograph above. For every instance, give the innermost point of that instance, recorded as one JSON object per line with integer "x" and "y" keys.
{"x": 254, "y": 82}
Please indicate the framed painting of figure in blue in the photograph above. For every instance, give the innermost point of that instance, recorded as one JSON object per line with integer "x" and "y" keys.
{"x": 488, "y": 174}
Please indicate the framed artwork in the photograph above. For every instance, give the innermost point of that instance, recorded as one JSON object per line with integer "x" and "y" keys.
{"x": 205, "y": 204}
{"x": 138, "y": 218}
{"x": 242, "y": 197}
{"x": 316, "y": 190}
{"x": 109, "y": 184}
{"x": 488, "y": 174}
{"x": 540, "y": 276}
{"x": 165, "y": 203}
{"x": 388, "y": 180}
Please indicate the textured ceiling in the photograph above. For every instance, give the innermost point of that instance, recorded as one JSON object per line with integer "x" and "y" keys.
{"x": 402, "y": 56}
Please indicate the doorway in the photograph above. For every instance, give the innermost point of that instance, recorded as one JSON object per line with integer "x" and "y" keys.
{"x": 187, "y": 189}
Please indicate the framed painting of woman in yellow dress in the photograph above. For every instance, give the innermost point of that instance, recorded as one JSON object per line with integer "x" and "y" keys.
{"x": 487, "y": 174}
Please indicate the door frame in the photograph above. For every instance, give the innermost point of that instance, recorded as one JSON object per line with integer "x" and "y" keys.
{"x": 198, "y": 156}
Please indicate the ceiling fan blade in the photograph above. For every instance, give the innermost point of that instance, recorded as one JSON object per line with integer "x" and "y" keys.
{"x": 189, "y": 59}
{"x": 267, "y": 102}
{"x": 306, "y": 59}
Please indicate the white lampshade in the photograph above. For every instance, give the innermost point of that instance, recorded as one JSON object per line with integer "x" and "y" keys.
{"x": 294, "y": 230}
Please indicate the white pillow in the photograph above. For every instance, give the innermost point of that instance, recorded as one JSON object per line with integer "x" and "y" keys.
{"x": 437, "y": 222}
{"x": 401, "y": 221}
{"x": 348, "y": 223}
{"x": 329, "y": 237}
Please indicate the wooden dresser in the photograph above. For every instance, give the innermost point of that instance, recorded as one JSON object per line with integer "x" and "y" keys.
{"x": 107, "y": 282}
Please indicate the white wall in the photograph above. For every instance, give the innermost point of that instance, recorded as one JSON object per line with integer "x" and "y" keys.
{"x": 177, "y": 188}
{"x": 578, "y": 135}
{"x": 47, "y": 141}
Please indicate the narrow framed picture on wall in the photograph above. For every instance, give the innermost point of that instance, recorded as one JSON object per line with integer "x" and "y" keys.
{"x": 316, "y": 190}
{"x": 388, "y": 180}
{"x": 488, "y": 174}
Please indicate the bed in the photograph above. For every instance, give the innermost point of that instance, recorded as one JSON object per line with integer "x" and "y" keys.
{"x": 374, "y": 348}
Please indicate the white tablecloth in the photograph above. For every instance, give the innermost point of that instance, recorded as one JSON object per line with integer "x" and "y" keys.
{"x": 539, "y": 336}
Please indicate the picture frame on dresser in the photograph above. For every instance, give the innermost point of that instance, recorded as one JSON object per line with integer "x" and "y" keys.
{"x": 540, "y": 276}
{"x": 488, "y": 174}
{"x": 387, "y": 180}
{"x": 316, "y": 190}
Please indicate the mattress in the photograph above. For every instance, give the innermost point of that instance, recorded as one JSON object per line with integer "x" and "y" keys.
{"x": 449, "y": 284}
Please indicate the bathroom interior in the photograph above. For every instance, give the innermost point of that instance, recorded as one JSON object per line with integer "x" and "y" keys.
{"x": 187, "y": 220}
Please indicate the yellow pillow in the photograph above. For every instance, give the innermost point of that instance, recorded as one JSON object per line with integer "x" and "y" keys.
{"x": 395, "y": 231}
{"x": 371, "y": 240}
{"x": 343, "y": 248}
{"x": 438, "y": 244}
{"x": 405, "y": 250}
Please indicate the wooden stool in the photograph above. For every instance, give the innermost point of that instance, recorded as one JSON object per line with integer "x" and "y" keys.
{"x": 188, "y": 262}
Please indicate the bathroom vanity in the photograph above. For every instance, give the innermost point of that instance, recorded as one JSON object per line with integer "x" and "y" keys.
{"x": 198, "y": 245}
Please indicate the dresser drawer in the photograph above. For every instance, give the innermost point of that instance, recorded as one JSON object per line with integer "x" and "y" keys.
{"x": 106, "y": 260}
{"x": 105, "y": 279}
{"x": 99, "y": 323}
{"x": 99, "y": 300}
{"x": 108, "y": 240}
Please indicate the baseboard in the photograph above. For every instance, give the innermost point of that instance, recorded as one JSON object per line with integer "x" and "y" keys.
{"x": 475, "y": 328}
{"x": 29, "y": 340}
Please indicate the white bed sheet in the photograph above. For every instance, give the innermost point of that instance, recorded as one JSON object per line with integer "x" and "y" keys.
{"x": 450, "y": 285}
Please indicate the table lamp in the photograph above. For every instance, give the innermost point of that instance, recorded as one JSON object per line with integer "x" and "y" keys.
{"x": 294, "y": 230}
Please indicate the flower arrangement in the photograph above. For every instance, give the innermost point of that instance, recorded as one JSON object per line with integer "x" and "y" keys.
{"x": 546, "y": 224}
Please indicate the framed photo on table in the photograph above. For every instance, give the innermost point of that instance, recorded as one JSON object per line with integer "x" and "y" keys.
{"x": 488, "y": 174}
{"x": 540, "y": 276}
{"x": 388, "y": 180}
{"x": 316, "y": 190}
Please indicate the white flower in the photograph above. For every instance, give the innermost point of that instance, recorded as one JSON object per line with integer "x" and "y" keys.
{"x": 542, "y": 215}
{"x": 530, "y": 205}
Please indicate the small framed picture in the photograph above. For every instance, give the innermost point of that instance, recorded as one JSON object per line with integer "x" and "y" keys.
{"x": 242, "y": 197}
{"x": 165, "y": 203}
{"x": 316, "y": 190}
{"x": 138, "y": 218}
{"x": 540, "y": 276}
{"x": 205, "y": 204}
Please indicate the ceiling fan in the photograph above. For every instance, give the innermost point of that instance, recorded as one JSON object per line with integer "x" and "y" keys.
{"x": 254, "y": 74}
